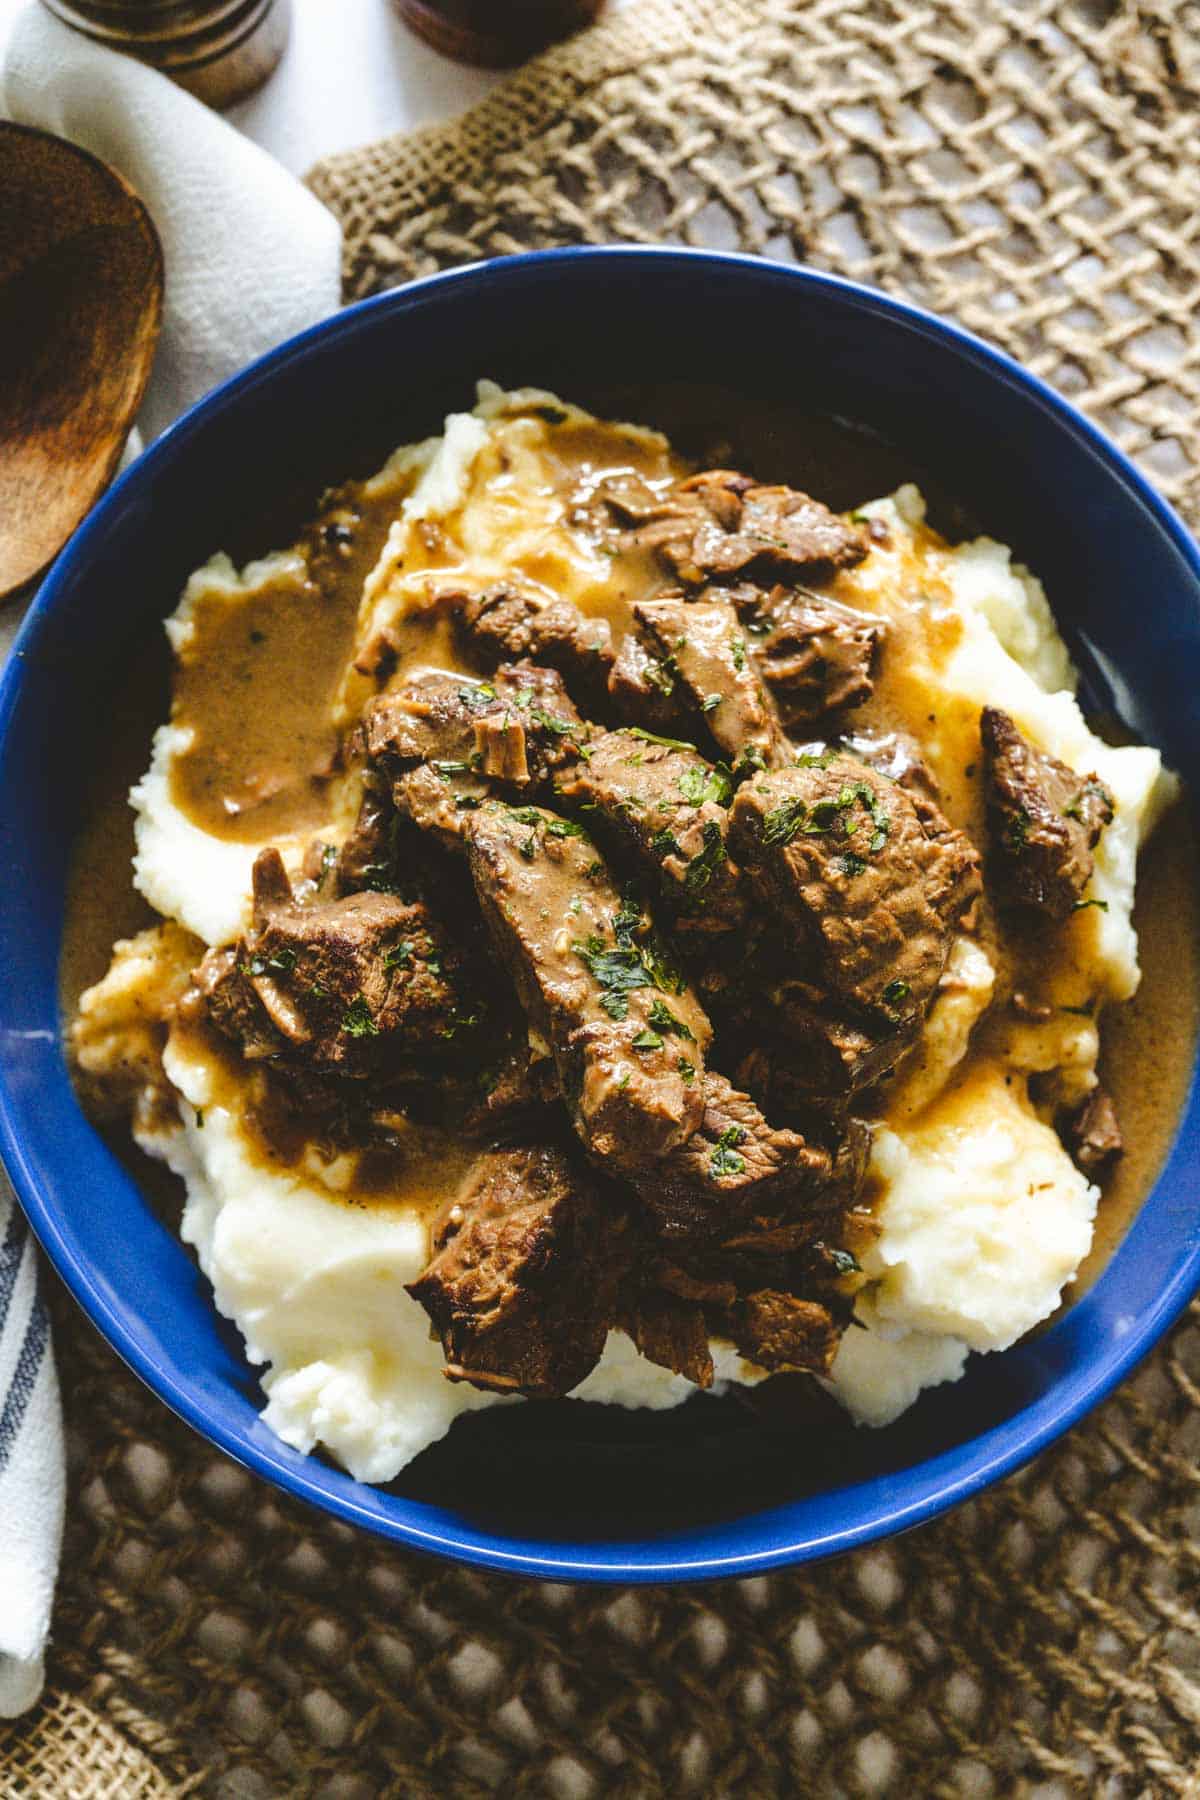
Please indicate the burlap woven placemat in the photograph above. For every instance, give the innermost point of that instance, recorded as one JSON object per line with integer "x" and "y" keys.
{"x": 1033, "y": 170}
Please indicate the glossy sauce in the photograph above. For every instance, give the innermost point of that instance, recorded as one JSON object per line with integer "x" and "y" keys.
{"x": 259, "y": 688}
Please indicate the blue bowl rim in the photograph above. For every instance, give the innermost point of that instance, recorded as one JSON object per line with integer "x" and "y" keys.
{"x": 969, "y": 1467}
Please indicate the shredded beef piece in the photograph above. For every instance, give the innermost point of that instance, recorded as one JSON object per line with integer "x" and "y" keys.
{"x": 704, "y": 644}
{"x": 845, "y": 857}
{"x": 344, "y": 987}
{"x": 783, "y": 1331}
{"x": 667, "y": 808}
{"x": 719, "y": 526}
{"x": 628, "y": 1037}
{"x": 643, "y": 689}
{"x": 506, "y": 622}
{"x": 669, "y": 1331}
{"x": 1043, "y": 818}
{"x": 736, "y": 1169}
{"x": 815, "y": 655}
{"x": 1092, "y": 1133}
{"x": 522, "y": 1284}
{"x": 441, "y": 737}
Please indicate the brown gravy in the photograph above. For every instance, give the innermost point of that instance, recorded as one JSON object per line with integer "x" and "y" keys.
{"x": 257, "y": 682}
{"x": 265, "y": 746}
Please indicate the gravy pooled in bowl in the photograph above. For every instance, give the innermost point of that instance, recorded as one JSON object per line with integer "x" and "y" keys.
{"x": 624, "y": 928}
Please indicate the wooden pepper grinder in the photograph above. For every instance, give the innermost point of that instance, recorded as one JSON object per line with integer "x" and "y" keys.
{"x": 220, "y": 50}
{"x": 495, "y": 34}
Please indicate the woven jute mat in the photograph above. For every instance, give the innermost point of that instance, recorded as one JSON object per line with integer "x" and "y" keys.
{"x": 1033, "y": 170}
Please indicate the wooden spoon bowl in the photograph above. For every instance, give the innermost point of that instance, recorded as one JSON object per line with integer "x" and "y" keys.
{"x": 81, "y": 293}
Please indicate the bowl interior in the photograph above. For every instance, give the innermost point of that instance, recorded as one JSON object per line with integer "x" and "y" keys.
{"x": 807, "y": 379}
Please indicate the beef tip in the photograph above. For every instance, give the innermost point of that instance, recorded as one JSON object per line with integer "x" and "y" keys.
{"x": 705, "y": 645}
{"x": 346, "y": 987}
{"x": 522, "y": 1284}
{"x": 442, "y": 737}
{"x": 1092, "y": 1133}
{"x": 815, "y": 655}
{"x": 643, "y": 689}
{"x": 734, "y": 1169}
{"x": 667, "y": 809}
{"x": 670, "y": 1331}
{"x": 367, "y": 858}
{"x": 632, "y": 498}
{"x": 1043, "y": 819}
{"x": 506, "y": 623}
{"x": 844, "y": 857}
{"x": 720, "y": 526}
{"x": 781, "y": 1331}
{"x": 627, "y": 1036}
{"x": 815, "y": 1054}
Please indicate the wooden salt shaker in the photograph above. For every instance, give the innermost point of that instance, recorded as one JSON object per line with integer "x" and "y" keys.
{"x": 219, "y": 50}
{"x": 495, "y": 34}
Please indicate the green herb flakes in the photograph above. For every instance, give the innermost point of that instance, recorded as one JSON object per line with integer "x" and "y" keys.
{"x": 781, "y": 824}
{"x": 725, "y": 1159}
{"x": 663, "y": 1019}
{"x": 357, "y": 1020}
{"x": 652, "y": 737}
{"x": 647, "y": 1040}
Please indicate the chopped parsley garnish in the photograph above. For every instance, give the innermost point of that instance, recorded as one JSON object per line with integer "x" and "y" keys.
{"x": 623, "y": 1079}
{"x": 751, "y": 758}
{"x": 812, "y": 759}
{"x": 525, "y": 815}
{"x": 663, "y": 1019}
{"x": 447, "y": 769}
{"x": 529, "y": 848}
{"x": 1017, "y": 834}
{"x": 661, "y": 674}
{"x": 619, "y": 971}
{"x": 282, "y": 963}
{"x": 686, "y": 1069}
{"x": 594, "y": 868}
{"x": 652, "y": 737}
{"x": 647, "y": 1040}
{"x": 664, "y": 843}
{"x": 895, "y": 994}
{"x": 781, "y": 824}
{"x": 357, "y": 1020}
{"x": 850, "y": 864}
{"x": 468, "y": 802}
{"x": 551, "y": 722}
{"x": 1092, "y": 789}
{"x": 398, "y": 956}
{"x": 844, "y": 1261}
{"x": 477, "y": 696}
{"x": 725, "y": 1159}
{"x": 706, "y": 862}
{"x": 737, "y": 648}
{"x": 563, "y": 828}
{"x": 701, "y": 784}
{"x": 710, "y": 703}
{"x": 1082, "y": 905}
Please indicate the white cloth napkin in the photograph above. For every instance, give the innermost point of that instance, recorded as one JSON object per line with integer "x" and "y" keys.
{"x": 251, "y": 257}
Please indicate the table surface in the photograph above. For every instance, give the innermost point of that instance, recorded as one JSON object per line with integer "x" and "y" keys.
{"x": 352, "y": 72}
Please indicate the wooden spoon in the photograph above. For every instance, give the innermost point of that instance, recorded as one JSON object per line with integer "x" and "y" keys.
{"x": 81, "y": 289}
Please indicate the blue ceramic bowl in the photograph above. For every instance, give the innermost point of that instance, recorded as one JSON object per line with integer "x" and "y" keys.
{"x": 584, "y": 1493}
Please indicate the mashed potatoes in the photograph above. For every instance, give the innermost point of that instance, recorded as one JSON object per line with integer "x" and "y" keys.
{"x": 982, "y": 1218}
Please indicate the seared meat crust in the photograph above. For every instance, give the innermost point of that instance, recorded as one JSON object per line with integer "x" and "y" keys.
{"x": 1044, "y": 820}
{"x": 522, "y": 1283}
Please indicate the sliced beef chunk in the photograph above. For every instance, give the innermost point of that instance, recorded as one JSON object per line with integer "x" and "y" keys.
{"x": 720, "y": 526}
{"x": 506, "y": 623}
{"x": 670, "y": 1331}
{"x": 522, "y": 1284}
{"x": 667, "y": 808}
{"x": 815, "y": 655}
{"x": 644, "y": 690}
{"x": 844, "y": 856}
{"x": 704, "y": 643}
{"x": 628, "y": 1037}
{"x": 442, "y": 738}
{"x": 736, "y": 1169}
{"x": 1043, "y": 819}
{"x": 783, "y": 1331}
{"x": 349, "y": 987}
{"x": 1092, "y": 1133}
